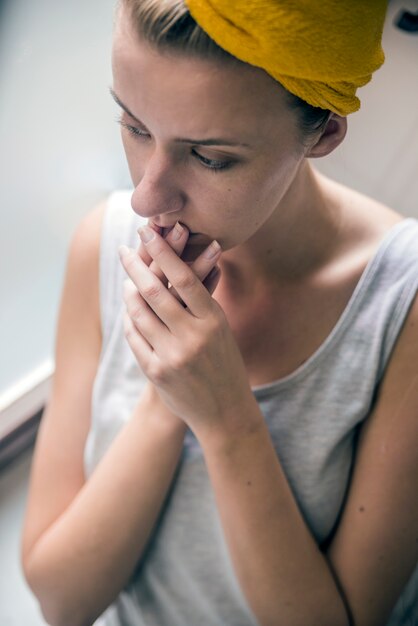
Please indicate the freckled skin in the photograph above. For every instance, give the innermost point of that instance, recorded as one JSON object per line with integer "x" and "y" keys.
{"x": 268, "y": 199}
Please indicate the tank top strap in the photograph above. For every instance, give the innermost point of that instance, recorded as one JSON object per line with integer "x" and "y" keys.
{"x": 120, "y": 224}
{"x": 391, "y": 285}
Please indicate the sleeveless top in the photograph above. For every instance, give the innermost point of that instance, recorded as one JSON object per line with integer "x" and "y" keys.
{"x": 313, "y": 415}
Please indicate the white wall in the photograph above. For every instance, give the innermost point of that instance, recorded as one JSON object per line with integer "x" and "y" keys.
{"x": 379, "y": 156}
{"x": 60, "y": 153}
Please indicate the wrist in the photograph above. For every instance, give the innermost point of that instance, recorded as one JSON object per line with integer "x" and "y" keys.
{"x": 242, "y": 422}
{"x": 152, "y": 409}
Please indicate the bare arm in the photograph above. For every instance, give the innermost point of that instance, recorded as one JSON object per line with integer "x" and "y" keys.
{"x": 69, "y": 533}
{"x": 95, "y": 544}
{"x": 374, "y": 550}
{"x": 284, "y": 575}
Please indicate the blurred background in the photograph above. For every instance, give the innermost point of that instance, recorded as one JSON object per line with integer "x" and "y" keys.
{"x": 60, "y": 154}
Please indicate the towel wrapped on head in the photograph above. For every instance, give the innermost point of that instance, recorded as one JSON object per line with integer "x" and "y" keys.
{"x": 319, "y": 50}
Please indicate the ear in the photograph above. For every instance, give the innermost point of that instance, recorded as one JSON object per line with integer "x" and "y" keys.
{"x": 331, "y": 137}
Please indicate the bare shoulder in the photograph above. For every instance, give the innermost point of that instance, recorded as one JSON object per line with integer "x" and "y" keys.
{"x": 85, "y": 242}
{"x": 80, "y": 294}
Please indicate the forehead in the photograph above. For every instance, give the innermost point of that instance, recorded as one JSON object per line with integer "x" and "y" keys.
{"x": 204, "y": 93}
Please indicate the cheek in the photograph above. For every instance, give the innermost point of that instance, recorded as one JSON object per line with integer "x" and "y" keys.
{"x": 240, "y": 213}
{"x": 277, "y": 181}
{"x": 253, "y": 194}
{"x": 253, "y": 199}
{"x": 223, "y": 200}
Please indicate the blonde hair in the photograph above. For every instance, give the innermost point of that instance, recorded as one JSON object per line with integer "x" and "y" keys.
{"x": 168, "y": 25}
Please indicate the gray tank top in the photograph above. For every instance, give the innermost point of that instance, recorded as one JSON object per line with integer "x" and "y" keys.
{"x": 313, "y": 416}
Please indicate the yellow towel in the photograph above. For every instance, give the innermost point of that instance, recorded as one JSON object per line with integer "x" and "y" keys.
{"x": 319, "y": 50}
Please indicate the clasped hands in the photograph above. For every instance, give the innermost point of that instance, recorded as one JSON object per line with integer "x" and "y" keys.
{"x": 179, "y": 334}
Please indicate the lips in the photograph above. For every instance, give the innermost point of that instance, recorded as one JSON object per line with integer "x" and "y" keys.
{"x": 195, "y": 238}
{"x": 165, "y": 231}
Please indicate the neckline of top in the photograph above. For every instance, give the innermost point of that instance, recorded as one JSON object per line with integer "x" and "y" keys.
{"x": 367, "y": 274}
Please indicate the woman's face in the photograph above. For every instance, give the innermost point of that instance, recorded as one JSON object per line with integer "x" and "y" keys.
{"x": 210, "y": 144}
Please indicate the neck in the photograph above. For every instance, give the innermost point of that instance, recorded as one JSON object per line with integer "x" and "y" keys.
{"x": 298, "y": 237}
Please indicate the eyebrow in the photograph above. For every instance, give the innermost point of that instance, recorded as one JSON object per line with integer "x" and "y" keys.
{"x": 201, "y": 142}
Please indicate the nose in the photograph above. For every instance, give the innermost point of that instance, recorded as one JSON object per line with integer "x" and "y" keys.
{"x": 158, "y": 192}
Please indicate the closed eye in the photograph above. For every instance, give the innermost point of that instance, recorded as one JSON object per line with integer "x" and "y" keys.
{"x": 213, "y": 164}
{"x": 138, "y": 132}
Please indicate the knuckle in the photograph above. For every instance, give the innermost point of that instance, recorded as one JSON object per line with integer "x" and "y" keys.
{"x": 157, "y": 374}
{"x": 186, "y": 280}
{"x": 152, "y": 290}
{"x": 177, "y": 361}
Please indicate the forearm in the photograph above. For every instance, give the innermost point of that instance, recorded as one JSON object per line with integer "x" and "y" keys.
{"x": 88, "y": 555}
{"x": 282, "y": 572}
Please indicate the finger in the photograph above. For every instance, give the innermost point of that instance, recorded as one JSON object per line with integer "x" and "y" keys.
{"x": 202, "y": 266}
{"x": 143, "y": 317}
{"x": 176, "y": 238}
{"x": 139, "y": 346}
{"x": 163, "y": 304}
{"x": 142, "y": 251}
{"x": 179, "y": 274}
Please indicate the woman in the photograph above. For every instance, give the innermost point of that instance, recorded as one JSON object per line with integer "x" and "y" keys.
{"x": 231, "y": 435}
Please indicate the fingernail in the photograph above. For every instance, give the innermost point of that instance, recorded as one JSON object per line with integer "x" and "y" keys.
{"x": 146, "y": 234}
{"x": 124, "y": 251}
{"x": 177, "y": 232}
{"x": 212, "y": 250}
